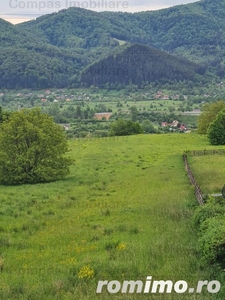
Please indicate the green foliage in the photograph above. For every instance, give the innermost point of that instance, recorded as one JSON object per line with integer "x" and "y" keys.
{"x": 212, "y": 240}
{"x": 216, "y": 130}
{"x": 148, "y": 127}
{"x": 210, "y": 220}
{"x": 37, "y": 66}
{"x": 211, "y": 209}
{"x": 125, "y": 127}
{"x": 183, "y": 30}
{"x": 138, "y": 64}
{"x": 134, "y": 113}
{"x": 32, "y": 149}
{"x": 28, "y": 61}
{"x": 39, "y": 54}
{"x": 118, "y": 191}
{"x": 208, "y": 115}
{"x": 3, "y": 115}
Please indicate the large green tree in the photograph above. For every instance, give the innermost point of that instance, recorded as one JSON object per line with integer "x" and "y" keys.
{"x": 148, "y": 127}
{"x": 216, "y": 130}
{"x": 3, "y": 115}
{"x": 210, "y": 111}
{"x": 32, "y": 149}
{"x": 125, "y": 127}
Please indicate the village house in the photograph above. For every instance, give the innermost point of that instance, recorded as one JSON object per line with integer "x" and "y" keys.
{"x": 158, "y": 95}
{"x": 183, "y": 127}
{"x": 165, "y": 124}
{"x": 100, "y": 116}
{"x": 175, "y": 123}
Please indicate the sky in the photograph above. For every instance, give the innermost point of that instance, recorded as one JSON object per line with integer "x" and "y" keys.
{"x": 16, "y": 11}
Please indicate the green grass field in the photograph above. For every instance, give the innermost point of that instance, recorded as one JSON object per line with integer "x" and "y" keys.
{"x": 123, "y": 213}
{"x": 209, "y": 172}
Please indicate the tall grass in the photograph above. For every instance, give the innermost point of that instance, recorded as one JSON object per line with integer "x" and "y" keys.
{"x": 209, "y": 171}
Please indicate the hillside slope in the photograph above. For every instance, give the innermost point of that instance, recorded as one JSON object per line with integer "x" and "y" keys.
{"x": 139, "y": 64}
{"x": 28, "y": 61}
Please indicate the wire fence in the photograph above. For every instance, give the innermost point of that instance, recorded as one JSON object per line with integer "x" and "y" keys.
{"x": 198, "y": 192}
{"x": 206, "y": 152}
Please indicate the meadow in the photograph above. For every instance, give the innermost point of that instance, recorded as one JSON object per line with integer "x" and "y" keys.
{"x": 124, "y": 213}
{"x": 209, "y": 172}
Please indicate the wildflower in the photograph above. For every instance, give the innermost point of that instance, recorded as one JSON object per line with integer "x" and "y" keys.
{"x": 86, "y": 272}
{"x": 121, "y": 247}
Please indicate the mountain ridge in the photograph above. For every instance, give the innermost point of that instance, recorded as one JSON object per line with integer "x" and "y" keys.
{"x": 75, "y": 38}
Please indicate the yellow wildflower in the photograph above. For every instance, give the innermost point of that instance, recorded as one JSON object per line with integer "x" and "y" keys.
{"x": 121, "y": 247}
{"x": 86, "y": 272}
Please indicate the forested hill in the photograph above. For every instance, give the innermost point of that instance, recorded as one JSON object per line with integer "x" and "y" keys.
{"x": 73, "y": 28}
{"x": 196, "y": 30}
{"x": 54, "y": 49}
{"x": 28, "y": 61}
{"x": 10, "y": 35}
{"x": 139, "y": 64}
{"x": 28, "y": 58}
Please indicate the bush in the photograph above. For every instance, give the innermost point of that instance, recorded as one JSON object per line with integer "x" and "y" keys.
{"x": 212, "y": 240}
{"x": 123, "y": 127}
{"x": 148, "y": 127}
{"x": 209, "y": 210}
{"x": 210, "y": 111}
{"x": 216, "y": 130}
{"x": 210, "y": 219}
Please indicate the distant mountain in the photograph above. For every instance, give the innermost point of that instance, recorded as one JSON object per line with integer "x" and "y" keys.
{"x": 54, "y": 50}
{"x": 139, "y": 64}
{"x": 196, "y": 30}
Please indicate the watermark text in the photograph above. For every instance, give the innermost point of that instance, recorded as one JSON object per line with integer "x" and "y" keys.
{"x": 157, "y": 286}
{"x": 34, "y": 5}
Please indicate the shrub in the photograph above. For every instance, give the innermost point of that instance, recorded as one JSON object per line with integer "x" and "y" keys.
{"x": 216, "y": 130}
{"x": 125, "y": 127}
